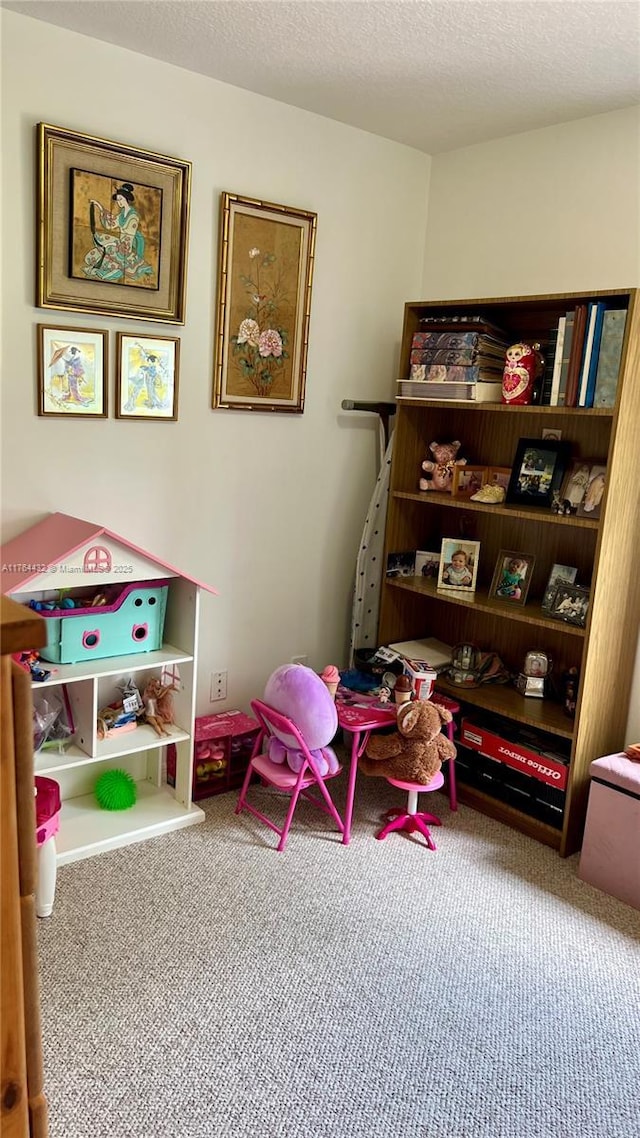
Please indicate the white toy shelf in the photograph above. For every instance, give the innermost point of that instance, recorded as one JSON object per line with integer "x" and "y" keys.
{"x": 66, "y": 553}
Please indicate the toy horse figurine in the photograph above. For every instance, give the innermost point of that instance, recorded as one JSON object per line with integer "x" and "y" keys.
{"x": 158, "y": 705}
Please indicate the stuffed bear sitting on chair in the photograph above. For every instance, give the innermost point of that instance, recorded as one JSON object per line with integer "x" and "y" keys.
{"x": 300, "y": 694}
{"x": 416, "y": 751}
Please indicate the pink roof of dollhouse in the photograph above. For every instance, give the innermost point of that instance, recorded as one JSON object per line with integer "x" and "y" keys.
{"x": 59, "y": 536}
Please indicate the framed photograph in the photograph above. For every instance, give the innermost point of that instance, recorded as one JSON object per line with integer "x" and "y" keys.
{"x": 427, "y": 564}
{"x": 458, "y": 570}
{"x": 589, "y": 506}
{"x": 264, "y": 304}
{"x": 112, "y": 227}
{"x": 147, "y": 370}
{"x": 537, "y": 471}
{"x": 570, "y": 603}
{"x": 467, "y": 480}
{"x": 498, "y": 476}
{"x": 512, "y": 577}
{"x": 570, "y": 494}
{"x": 72, "y": 372}
{"x": 560, "y": 574}
{"x": 401, "y": 564}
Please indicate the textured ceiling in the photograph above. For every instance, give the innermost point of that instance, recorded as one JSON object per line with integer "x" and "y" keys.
{"x": 435, "y": 74}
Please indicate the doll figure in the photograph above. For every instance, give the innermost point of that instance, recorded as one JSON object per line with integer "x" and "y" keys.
{"x": 522, "y": 367}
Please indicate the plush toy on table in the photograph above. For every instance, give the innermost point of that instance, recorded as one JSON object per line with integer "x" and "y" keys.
{"x": 416, "y": 751}
{"x": 300, "y": 694}
{"x": 441, "y": 468}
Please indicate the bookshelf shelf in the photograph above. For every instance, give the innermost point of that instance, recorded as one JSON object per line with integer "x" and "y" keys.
{"x": 602, "y": 549}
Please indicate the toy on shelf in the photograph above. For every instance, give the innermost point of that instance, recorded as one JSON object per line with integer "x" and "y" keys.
{"x": 30, "y": 661}
{"x": 115, "y": 790}
{"x": 523, "y": 366}
{"x": 157, "y": 699}
{"x": 298, "y": 692}
{"x": 441, "y": 468}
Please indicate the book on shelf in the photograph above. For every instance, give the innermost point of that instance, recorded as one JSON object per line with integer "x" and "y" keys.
{"x": 543, "y": 390}
{"x": 609, "y": 357}
{"x": 566, "y": 356}
{"x": 456, "y": 357}
{"x": 481, "y": 392}
{"x": 464, "y": 322}
{"x": 450, "y": 341}
{"x": 595, "y": 354}
{"x": 557, "y": 362}
{"x": 451, "y": 373}
{"x": 596, "y": 308}
{"x": 575, "y": 358}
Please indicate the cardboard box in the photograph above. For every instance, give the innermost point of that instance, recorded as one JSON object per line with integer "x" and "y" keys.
{"x": 545, "y": 768}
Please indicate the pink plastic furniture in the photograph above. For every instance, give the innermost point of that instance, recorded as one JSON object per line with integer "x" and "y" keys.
{"x": 48, "y": 807}
{"x": 412, "y": 819}
{"x": 280, "y": 776}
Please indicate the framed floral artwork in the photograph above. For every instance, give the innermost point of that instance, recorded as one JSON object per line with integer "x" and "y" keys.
{"x": 264, "y": 303}
{"x": 72, "y": 372}
{"x": 112, "y": 227}
{"x": 147, "y": 377}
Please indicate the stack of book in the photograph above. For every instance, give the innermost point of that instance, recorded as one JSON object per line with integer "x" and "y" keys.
{"x": 587, "y": 356}
{"x": 456, "y": 358}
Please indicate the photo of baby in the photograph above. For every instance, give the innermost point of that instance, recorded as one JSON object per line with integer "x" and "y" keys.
{"x": 458, "y": 565}
{"x": 512, "y": 577}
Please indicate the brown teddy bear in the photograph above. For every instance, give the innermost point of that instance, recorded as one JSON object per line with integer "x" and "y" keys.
{"x": 441, "y": 470}
{"x": 416, "y": 751}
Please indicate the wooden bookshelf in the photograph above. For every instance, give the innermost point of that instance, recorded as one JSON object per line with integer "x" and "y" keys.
{"x": 604, "y": 550}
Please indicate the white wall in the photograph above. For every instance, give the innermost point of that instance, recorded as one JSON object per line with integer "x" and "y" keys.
{"x": 269, "y": 508}
{"x": 551, "y": 210}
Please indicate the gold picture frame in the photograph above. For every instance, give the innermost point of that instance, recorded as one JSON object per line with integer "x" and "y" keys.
{"x": 73, "y": 369}
{"x": 265, "y": 274}
{"x": 112, "y": 227}
{"x": 147, "y": 376}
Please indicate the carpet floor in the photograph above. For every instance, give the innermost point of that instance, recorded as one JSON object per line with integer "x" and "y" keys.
{"x": 201, "y": 985}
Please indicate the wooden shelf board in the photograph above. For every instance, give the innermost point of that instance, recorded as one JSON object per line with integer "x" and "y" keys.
{"x": 533, "y": 514}
{"x": 472, "y": 405}
{"x": 480, "y": 602}
{"x": 143, "y": 738}
{"x": 112, "y": 666}
{"x": 86, "y": 830}
{"x": 502, "y": 699}
{"x": 502, "y": 812}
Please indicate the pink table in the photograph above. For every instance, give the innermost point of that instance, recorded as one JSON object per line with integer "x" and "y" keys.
{"x": 365, "y": 715}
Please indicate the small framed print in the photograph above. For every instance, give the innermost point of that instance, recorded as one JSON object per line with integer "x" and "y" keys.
{"x": 427, "y": 564}
{"x": 512, "y": 577}
{"x": 147, "y": 370}
{"x": 498, "y": 476}
{"x": 458, "y": 570}
{"x": 537, "y": 471}
{"x": 401, "y": 564}
{"x": 72, "y": 372}
{"x": 570, "y": 603}
{"x": 560, "y": 574}
{"x": 467, "y": 480}
{"x": 590, "y": 505}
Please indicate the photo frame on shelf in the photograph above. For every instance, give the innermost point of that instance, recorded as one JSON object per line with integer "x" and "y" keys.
{"x": 265, "y": 274}
{"x": 458, "y": 570}
{"x": 72, "y": 371}
{"x": 427, "y": 564}
{"x": 574, "y": 484}
{"x": 537, "y": 472}
{"x": 467, "y": 480}
{"x": 591, "y": 503}
{"x": 570, "y": 604}
{"x": 112, "y": 227}
{"x": 498, "y": 476}
{"x": 147, "y": 376}
{"x": 401, "y": 564}
{"x": 560, "y": 574}
{"x": 512, "y": 577}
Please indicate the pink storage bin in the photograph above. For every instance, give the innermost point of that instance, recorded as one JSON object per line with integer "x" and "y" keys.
{"x": 610, "y": 857}
{"x": 48, "y": 807}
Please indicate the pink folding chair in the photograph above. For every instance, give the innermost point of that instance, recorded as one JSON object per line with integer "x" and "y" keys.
{"x": 280, "y": 776}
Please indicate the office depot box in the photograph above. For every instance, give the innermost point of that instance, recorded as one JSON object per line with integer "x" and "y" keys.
{"x": 422, "y": 676}
{"x": 544, "y": 767}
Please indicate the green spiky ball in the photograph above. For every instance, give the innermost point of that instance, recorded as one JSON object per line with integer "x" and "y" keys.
{"x": 115, "y": 790}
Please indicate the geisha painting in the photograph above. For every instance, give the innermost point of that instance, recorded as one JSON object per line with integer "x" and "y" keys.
{"x": 72, "y": 371}
{"x": 115, "y": 230}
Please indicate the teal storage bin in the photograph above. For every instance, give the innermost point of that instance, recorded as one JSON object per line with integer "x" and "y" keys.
{"x": 132, "y": 622}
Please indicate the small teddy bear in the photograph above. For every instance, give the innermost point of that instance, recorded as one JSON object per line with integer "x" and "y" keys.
{"x": 416, "y": 751}
{"x": 441, "y": 470}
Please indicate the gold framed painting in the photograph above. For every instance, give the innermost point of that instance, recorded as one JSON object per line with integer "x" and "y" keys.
{"x": 112, "y": 227}
{"x": 72, "y": 372}
{"x": 265, "y": 275}
{"x": 147, "y": 372}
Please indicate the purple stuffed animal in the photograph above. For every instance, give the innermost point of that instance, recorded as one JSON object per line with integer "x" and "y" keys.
{"x": 301, "y": 695}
